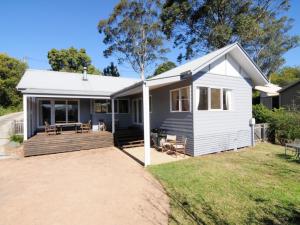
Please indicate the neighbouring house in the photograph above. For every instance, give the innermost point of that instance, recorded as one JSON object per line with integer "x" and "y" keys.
{"x": 208, "y": 100}
{"x": 289, "y": 96}
{"x": 269, "y": 95}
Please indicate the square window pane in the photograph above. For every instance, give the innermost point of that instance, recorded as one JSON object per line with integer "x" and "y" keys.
{"x": 215, "y": 98}
{"x": 203, "y": 98}
{"x": 175, "y": 100}
{"x": 185, "y": 94}
{"x": 101, "y": 106}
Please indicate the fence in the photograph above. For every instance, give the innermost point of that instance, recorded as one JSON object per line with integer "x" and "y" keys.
{"x": 261, "y": 132}
{"x": 17, "y": 127}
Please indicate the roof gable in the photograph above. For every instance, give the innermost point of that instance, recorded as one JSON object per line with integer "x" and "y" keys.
{"x": 236, "y": 52}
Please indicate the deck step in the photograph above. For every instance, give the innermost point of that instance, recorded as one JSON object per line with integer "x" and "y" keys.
{"x": 129, "y": 138}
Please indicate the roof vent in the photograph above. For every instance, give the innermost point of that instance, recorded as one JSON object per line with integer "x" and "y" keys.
{"x": 84, "y": 77}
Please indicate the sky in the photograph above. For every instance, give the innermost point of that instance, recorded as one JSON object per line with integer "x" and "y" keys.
{"x": 30, "y": 28}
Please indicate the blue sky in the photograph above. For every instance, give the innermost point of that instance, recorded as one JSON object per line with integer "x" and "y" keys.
{"x": 31, "y": 28}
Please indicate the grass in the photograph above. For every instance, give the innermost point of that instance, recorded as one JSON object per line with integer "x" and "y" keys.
{"x": 11, "y": 109}
{"x": 252, "y": 186}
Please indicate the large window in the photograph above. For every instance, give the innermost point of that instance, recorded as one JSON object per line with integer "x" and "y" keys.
{"x": 180, "y": 100}
{"x": 44, "y": 112}
{"x": 105, "y": 106}
{"x": 58, "y": 111}
{"x": 214, "y": 98}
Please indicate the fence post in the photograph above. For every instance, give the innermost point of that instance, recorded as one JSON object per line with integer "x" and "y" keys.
{"x": 252, "y": 125}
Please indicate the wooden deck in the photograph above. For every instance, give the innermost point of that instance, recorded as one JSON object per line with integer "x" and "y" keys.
{"x": 42, "y": 143}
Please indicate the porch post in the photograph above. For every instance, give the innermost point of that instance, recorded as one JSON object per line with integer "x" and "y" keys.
{"x": 25, "y": 117}
{"x": 146, "y": 124}
{"x": 113, "y": 115}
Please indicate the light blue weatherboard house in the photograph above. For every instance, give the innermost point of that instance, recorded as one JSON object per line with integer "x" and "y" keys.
{"x": 208, "y": 100}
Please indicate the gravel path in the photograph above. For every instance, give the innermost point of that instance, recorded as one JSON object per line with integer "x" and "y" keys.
{"x": 101, "y": 186}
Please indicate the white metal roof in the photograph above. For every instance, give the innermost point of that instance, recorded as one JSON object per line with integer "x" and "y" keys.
{"x": 269, "y": 89}
{"x": 235, "y": 50}
{"x": 52, "y": 82}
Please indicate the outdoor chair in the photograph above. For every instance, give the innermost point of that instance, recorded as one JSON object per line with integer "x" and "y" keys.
{"x": 50, "y": 129}
{"x": 102, "y": 125}
{"x": 167, "y": 145}
{"x": 85, "y": 127}
{"x": 180, "y": 146}
{"x": 293, "y": 146}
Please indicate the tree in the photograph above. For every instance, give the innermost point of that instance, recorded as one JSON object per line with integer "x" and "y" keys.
{"x": 259, "y": 25}
{"x": 164, "y": 67}
{"x": 111, "y": 70}
{"x": 71, "y": 60}
{"x": 133, "y": 33}
{"x": 11, "y": 71}
{"x": 285, "y": 76}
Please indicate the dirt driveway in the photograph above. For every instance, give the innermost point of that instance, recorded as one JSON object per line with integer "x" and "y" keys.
{"x": 101, "y": 186}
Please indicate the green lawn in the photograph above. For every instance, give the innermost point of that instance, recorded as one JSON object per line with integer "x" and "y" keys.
{"x": 252, "y": 186}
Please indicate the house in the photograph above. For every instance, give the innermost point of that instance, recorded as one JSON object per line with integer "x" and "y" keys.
{"x": 269, "y": 95}
{"x": 208, "y": 100}
{"x": 289, "y": 96}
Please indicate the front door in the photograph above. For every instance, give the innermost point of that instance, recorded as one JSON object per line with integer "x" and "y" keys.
{"x": 137, "y": 111}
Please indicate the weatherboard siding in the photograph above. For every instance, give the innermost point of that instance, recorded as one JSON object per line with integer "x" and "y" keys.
{"x": 216, "y": 131}
{"x": 178, "y": 123}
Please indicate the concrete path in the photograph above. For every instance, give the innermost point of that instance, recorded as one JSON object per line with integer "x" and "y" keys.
{"x": 5, "y": 126}
{"x": 102, "y": 186}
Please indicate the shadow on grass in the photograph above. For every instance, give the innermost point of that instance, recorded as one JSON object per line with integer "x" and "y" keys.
{"x": 281, "y": 215}
{"x": 289, "y": 158}
{"x": 191, "y": 212}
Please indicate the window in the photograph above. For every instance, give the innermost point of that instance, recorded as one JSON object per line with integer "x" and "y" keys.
{"x": 101, "y": 106}
{"x": 226, "y": 99}
{"x": 104, "y": 106}
{"x": 180, "y": 100}
{"x": 203, "y": 98}
{"x": 215, "y": 99}
{"x": 72, "y": 111}
{"x": 44, "y": 112}
{"x": 60, "y": 112}
{"x": 123, "y": 106}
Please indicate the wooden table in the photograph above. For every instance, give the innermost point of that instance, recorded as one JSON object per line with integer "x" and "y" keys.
{"x": 61, "y": 125}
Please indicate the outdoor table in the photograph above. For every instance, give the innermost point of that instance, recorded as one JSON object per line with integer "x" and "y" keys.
{"x": 61, "y": 125}
{"x": 294, "y": 146}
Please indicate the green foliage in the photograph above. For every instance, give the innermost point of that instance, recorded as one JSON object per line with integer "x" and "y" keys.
{"x": 164, "y": 67}
{"x": 285, "y": 76}
{"x": 133, "y": 34}
{"x": 10, "y": 109}
{"x": 17, "y": 138}
{"x": 11, "y": 71}
{"x": 283, "y": 125}
{"x": 111, "y": 70}
{"x": 257, "y": 186}
{"x": 259, "y": 25}
{"x": 71, "y": 60}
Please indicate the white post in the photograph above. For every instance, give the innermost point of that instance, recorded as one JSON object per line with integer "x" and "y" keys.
{"x": 146, "y": 124}
{"x": 113, "y": 115}
{"x": 25, "y": 117}
{"x": 252, "y": 124}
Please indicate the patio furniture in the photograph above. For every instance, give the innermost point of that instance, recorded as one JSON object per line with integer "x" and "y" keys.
{"x": 167, "y": 145}
{"x": 101, "y": 125}
{"x": 293, "y": 146}
{"x": 180, "y": 146}
{"x": 85, "y": 127}
{"x": 50, "y": 129}
{"x": 60, "y": 126}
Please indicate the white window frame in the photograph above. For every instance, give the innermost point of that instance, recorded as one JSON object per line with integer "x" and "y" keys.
{"x": 137, "y": 116}
{"x": 180, "y": 102}
{"x": 209, "y": 98}
{"x": 52, "y": 102}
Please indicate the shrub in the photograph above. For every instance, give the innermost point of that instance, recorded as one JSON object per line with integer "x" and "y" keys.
{"x": 16, "y": 138}
{"x": 283, "y": 125}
